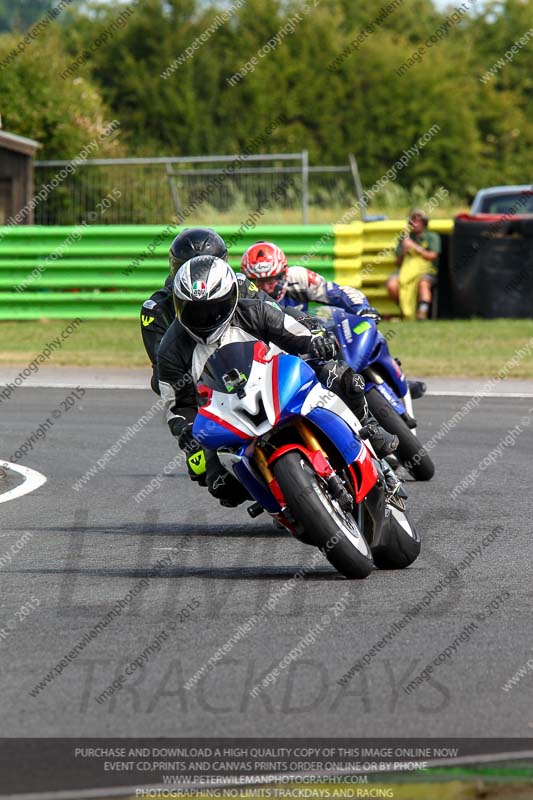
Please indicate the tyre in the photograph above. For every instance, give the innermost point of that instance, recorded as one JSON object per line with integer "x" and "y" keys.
{"x": 410, "y": 451}
{"x": 320, "y": 518}
{"x": 398, "y": 544}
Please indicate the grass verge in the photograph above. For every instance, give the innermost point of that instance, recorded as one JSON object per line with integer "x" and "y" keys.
{"x": 468, "y": 348}
{"x": 465, "y": 348}
{"x": 96, "y": 343}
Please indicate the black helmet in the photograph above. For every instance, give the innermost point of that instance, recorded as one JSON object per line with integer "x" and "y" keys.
{"x": 205, "y": 297}
{"x": 195, "y": 242}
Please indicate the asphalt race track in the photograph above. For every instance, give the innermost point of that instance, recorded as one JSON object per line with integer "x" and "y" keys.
{"x": 84, "y": 550}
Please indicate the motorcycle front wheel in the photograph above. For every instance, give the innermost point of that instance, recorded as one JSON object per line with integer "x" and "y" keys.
{"x": 320, "y": 518}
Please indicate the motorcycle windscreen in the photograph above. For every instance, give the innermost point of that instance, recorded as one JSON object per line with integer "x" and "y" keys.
{"x": 357, "y": 338}
{"x": 228, "y": 369}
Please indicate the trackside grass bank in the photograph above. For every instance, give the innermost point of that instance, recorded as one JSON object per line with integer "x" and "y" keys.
{"x": 466, "y": 348}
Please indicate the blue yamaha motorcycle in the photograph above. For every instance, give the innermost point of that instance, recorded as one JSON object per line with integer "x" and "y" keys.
{"x": 389, "y": 394}
{"x": 294, "y": 446}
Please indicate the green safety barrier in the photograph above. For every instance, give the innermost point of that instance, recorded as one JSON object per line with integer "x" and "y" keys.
{"x": 109, "y": 270}
{"x": 91, "y": 271}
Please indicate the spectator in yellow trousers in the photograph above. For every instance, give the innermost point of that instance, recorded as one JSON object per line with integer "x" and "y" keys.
{"x": 417, "y": 257}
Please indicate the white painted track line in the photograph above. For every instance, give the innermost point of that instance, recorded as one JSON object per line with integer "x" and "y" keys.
{"x": 32, "y": 480}
{"x": 129, "y": 386}
{"x": 85, "y": 384}
{"x": 521, "y": 395}
{"x": 139, "y": 378}
{"x": 137, "y": 387}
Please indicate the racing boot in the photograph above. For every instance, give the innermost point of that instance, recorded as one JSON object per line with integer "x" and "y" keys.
{"x": 394, "y": 487}
{"x": 393, "y": 462}
{"x": 220, "y": 484}
{"x": 417, "y": 389}
{"x": 383, "y": 442}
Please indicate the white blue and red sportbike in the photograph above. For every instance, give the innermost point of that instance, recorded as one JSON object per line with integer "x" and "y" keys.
{"x": 294, "y": 446}
{"x": 389, "y": 394}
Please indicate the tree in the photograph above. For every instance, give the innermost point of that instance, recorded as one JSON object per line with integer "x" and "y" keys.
{"x": 183, "y": 79}
{"x": 64, "y": 115}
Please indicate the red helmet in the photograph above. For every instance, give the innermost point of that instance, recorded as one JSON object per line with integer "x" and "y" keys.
{"x": 264, "y": 261}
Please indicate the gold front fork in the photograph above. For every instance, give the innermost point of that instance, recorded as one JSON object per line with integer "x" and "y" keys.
{"x": 261, "y": 462}
{"x": 309, "y": 437}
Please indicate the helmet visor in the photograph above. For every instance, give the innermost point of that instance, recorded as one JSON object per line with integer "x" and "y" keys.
{"x": 204, "y": 317}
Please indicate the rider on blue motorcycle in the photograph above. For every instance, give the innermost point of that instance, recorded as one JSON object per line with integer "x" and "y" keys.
{"x": 158, "y": 313}
{"x": 210, "y": 314}
{"x": 266, "y": 264}
{"x": 294, "y": 288}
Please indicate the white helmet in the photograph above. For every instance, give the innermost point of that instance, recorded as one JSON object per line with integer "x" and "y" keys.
{"x": 205, "y": 297}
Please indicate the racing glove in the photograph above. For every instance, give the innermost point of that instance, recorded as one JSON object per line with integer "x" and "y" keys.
{"x": 324, "y": 346}
{"x": 194, "y": 452}
{"x": 370, "y": 312}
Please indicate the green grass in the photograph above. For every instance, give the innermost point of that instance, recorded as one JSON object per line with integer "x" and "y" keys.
{"x": 96, "y": 343}
{"x": 392, "y": 200}
{"x": 457, "y": 347}
{"x": 316, "y": 216}
{"x": 466, "y": 348}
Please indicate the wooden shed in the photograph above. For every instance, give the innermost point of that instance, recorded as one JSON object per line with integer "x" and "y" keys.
{"x": 16, "y": 178}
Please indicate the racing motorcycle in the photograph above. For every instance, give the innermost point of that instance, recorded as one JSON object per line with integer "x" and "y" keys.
{"x": 295, "y": 447}
{"x": 389, "y": 394}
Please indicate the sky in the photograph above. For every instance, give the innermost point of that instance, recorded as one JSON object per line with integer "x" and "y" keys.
{"x": 442, "y": 4}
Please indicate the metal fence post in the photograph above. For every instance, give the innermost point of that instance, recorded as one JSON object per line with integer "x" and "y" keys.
{"x": 305, "y": 186}
{"x": 358, "y": 185}
{"x": 173, "y": 189}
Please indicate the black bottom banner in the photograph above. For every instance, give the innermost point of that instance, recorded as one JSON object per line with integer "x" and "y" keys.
{"x": 236, "y": 767}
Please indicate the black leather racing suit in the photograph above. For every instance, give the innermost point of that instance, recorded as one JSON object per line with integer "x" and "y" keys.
{"x": 180, "y": 363}
{"x": 158, "y": 313}
{"x": 181, "y": 359}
